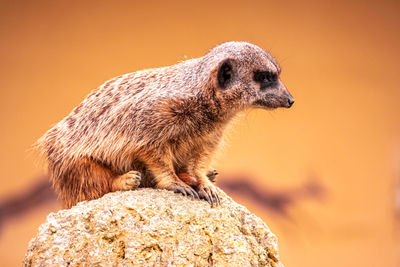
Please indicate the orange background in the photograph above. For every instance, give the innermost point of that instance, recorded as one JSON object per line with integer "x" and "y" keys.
{"x": 340, "y": 60}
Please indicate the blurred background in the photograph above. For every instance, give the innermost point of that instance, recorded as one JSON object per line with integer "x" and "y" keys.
{"x": 324, "y": 175}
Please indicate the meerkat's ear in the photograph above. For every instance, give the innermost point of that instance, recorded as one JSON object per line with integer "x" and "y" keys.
{"x": 225, "y": 73}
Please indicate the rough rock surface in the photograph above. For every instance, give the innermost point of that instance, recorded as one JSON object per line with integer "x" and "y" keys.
{"x": 150, "y": 227}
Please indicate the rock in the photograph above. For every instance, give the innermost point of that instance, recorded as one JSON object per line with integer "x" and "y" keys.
{"x": 150, "y": 227}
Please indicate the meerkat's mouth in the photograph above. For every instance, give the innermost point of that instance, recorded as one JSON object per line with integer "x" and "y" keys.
{"x": 261, "y": 103}
{"x": 271, "y": 103}
{"x": 267, "y": 104}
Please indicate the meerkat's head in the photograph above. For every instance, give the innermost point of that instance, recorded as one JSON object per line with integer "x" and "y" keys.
{"x": 244, "y": 75}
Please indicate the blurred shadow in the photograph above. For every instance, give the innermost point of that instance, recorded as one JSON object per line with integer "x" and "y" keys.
{"x": 276, "y": 201}
{"x": 41, "y": 193}
{"x": 17, "y": 204}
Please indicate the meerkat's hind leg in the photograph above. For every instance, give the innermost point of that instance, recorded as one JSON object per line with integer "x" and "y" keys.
{"x": 165, "y": 176}
{"x": 205, "y": 192}
{"x": 127, "y": 181}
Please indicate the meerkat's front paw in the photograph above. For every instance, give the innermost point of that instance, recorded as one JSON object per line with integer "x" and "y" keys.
{"x": 208, "y": 192}
{"x": 127, "y": 181}
{"x": 212, "y": 175}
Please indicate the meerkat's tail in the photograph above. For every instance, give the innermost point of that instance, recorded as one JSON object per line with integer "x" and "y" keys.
{"x": 41, "y": 147}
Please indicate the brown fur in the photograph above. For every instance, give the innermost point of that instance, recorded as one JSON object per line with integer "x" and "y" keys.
{"x": 159, "y": 122}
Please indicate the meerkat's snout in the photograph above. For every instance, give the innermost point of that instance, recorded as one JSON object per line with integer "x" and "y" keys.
{"x": 274, "y": 96}
{"x": 289, "y": 98}
{"x": 284, "y": 98}
{"x": 290, "y": 102}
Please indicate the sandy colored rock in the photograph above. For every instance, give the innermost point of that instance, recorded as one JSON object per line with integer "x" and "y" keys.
{"x": 150, "y": 227}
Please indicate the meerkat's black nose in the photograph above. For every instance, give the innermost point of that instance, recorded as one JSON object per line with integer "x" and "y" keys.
{"x": 290, "y": 102}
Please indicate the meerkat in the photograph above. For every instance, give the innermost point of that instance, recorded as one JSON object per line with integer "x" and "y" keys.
{"x": 160, "y": 127}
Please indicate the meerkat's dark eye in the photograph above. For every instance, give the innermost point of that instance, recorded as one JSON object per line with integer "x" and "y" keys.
{"x": 266, "y": 78}
{"x": 224, "y": 74}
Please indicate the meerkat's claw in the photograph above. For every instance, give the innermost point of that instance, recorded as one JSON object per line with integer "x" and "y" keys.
{"x": 184, "y": 190}
{"x": 204, "y": 195}
{"x": 127, "y": 181}
{"x": 209, "y": 193}
{"x": 216, "y": 198}
{"x": 194, "y": 194}
{"x": 134, "y": 178}
{"x": 212, "y": 175}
